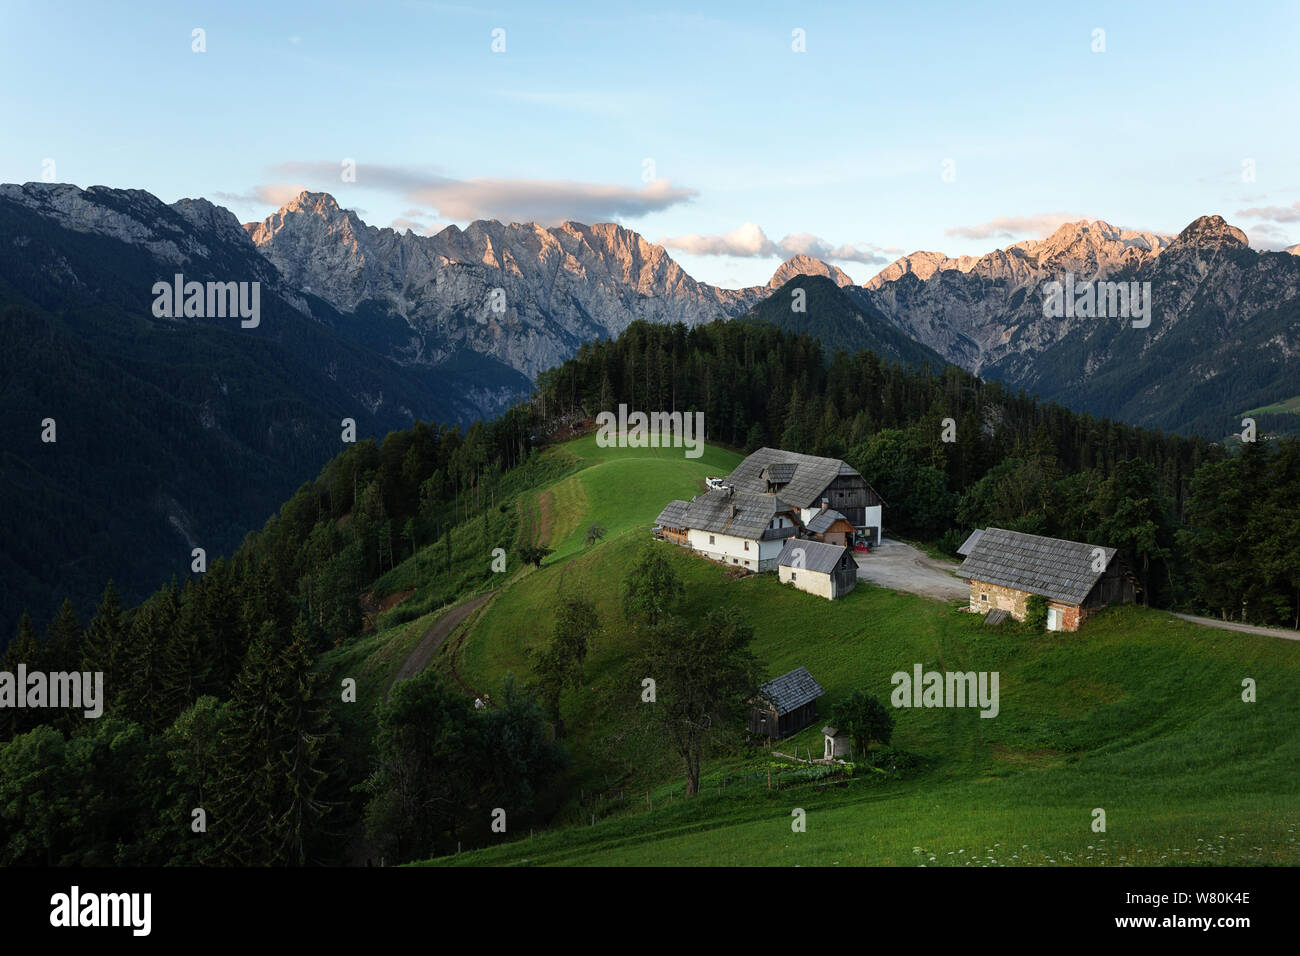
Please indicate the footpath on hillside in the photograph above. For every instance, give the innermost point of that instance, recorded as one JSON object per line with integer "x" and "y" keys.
{"x": 1244, "y": 628}
{"x": 419, "y": 658}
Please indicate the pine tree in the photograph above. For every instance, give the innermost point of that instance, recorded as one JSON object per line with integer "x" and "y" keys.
{"x": 246, "y": 789}
{"x": 144, "y": 697}
{"x": 23, "y": 649}
{"x": 224, "y": 640}
{"x": 307, "y": 759}
{"x": 184, "y": 667}
{"x": 63, "y": 655}
{"x": 63, "y": 639}
{"x": 103, "y": 645}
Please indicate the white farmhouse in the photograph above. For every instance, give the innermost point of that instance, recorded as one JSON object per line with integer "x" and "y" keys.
{"x": 731, "y": 527}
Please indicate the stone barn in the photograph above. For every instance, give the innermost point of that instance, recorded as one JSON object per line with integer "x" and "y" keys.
{"x": 785, "y": 705}
{"x": 1005, "y": 567}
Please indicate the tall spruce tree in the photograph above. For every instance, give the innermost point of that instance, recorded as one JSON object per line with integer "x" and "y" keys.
{"x": 247, "y": 788}
{"x": 23, "y": 649}
{"x": 104, "y": 644}
{"x": 308, "y": 757}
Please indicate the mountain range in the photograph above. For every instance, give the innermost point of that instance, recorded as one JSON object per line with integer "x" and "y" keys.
{"x": 185, "y": 432}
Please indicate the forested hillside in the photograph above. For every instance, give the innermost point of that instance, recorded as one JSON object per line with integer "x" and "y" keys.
{"x": 172, "y": 434}
{"x": 220, "y": 693}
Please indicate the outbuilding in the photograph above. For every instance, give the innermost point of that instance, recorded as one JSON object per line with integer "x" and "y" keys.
{"x": 1005, "y": 568}
{"x": 785, "y": 705}
{"x": 827, "y": 570}
{"x": 830, "y": 526}
{"x": 837, "y": 743}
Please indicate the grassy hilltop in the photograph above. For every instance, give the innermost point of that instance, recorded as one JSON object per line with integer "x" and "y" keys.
{"x": 1139, "y": 713}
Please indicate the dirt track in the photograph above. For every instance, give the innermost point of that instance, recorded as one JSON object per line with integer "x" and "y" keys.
{"x": 419, "y": 658}
{"x": 895, "y": 565}
{"x": 1244, "y": 628}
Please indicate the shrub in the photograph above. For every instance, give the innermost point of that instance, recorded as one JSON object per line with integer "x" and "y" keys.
{"x": 1036, "y": 612}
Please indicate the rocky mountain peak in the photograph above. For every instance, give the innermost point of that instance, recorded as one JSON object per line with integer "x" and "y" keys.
{"x": 1090, "y": 248}
{"x": 186, "y": 229}
{"x": 921, "y": 264}
{"x": 209, "y": 217}
{"x": 802, "y": 265}
{"x": 1211, "y": 232}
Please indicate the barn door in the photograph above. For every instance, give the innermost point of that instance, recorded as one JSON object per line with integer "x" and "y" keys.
{"x": 1053, "y": 619}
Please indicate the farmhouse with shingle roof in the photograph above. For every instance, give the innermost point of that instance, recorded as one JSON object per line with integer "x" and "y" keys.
{"x": 1005, "y": 567}
{"x": 785, "y": 705}
{"x": 812, "y": 485}
{"x": 731, "y": 527}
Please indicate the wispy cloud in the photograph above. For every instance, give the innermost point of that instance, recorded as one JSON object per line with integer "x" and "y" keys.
{"x": 1289, "y": 213}
{"x": 1014, "y": 227}
{"x": 749, "y": 241}
{"x": 1267, "y": 237}
{"x": 268, "y": 194}
{"x": 547, "y": 201}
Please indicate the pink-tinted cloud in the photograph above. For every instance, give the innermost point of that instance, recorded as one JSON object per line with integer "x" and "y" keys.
{"x": 1014, "y": 227}
{"x": 1289, "y": 213}
{"x": 547, "y": 201}
{"x": 748, "y": 241}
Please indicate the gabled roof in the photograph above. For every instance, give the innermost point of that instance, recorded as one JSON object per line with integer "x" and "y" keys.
{"x": 712, "y": 511}
{"x": 834, "y": 731}
{"x": 817, "y": 555}
{"x": 1051, "y": 567}
{"x": 673, "y": 515}
{"x": 808, "y": 479}
{"x": 821, "y": 522}
{"x": 970, "y": 542}
{"x": 791, "y": 691}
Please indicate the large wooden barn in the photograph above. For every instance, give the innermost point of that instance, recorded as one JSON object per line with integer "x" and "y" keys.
{"x": 785, "y": 705}
{"x": 812, "y": 485}
{"x": 1005, "y": 567}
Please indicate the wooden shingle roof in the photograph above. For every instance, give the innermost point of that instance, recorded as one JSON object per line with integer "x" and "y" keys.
{"x": 673, "y": 515}
{"x": 821, "y": 522}
{"x": 807, "y": 480}
{"x": 1052, "y": 567}
{"x": 791, "y": 691}
{"x": 741, "y": 514}
{"x": 970, "y": 542}
{"x": 817, "y": 555}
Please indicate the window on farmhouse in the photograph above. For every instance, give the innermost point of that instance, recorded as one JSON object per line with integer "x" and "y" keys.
{"x": 711, "y": 541}
{"x": 746, "y": 545}
{"x": 984, "y": 597}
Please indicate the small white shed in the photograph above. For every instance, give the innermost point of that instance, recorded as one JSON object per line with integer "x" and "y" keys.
{"x": 837, "y": 743}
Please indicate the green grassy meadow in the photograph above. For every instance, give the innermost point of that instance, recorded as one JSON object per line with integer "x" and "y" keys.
{"x": 1138, "y": 714}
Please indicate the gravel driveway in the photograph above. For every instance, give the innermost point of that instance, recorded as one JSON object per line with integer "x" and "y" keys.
{"x": 900, "y": 566}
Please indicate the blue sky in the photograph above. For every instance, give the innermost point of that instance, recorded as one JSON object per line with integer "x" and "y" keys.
{"x": 756, "y": 150}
